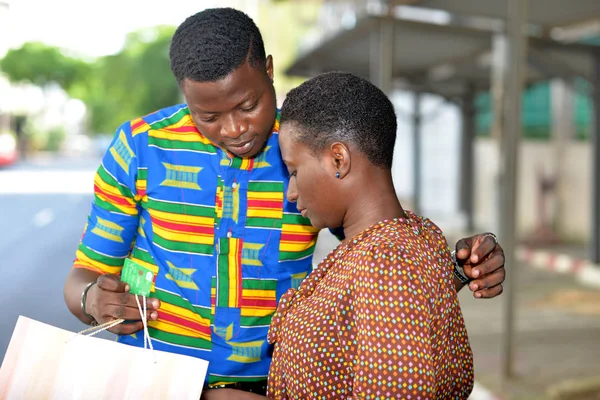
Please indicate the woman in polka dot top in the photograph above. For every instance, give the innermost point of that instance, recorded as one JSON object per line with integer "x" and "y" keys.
{"x": 379, "y": 317}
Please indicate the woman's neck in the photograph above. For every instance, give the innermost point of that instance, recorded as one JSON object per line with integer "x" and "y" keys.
{"x": 375, "y": 201}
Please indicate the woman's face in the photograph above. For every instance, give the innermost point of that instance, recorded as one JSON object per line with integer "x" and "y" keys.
{"x": 313, "y": 185}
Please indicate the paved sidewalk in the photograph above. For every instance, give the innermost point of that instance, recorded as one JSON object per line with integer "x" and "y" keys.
{"x": 557, "y": 328}
{"x": 557, "y": 339}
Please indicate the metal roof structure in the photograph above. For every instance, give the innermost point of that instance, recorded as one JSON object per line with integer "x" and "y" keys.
{"x": 549, "y": 13}
{"x": 440, "y": 59}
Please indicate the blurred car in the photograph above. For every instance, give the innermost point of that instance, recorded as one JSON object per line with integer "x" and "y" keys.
{"x": 8, "y": 149}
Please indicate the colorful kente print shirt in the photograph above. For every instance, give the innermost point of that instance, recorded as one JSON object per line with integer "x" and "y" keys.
{"x": 217, "y": 231}
{"x": 379, "y": 318}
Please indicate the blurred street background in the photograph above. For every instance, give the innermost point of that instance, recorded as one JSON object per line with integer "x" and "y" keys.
{"x": 498, "y": 105}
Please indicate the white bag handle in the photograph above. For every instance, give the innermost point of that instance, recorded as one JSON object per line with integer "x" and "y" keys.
{"x": 94, "y": 330}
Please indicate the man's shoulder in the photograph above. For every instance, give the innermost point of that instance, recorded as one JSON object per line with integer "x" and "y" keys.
{"x": 169, "y": 116}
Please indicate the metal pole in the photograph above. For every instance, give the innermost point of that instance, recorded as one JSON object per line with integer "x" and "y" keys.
{"x": 498, "y": 83}
{"x": 497, "y": 92}
{"x": 561, "y": 92}
{"x": 417, "y": 120}
{"x": 595, "y": 139}
{"x": 516, "y": 25}
{"x": 381, "y": 55}
{"x": 466, "y": 157}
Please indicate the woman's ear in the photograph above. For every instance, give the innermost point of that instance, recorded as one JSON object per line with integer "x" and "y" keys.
{"x": 340, "y": 159}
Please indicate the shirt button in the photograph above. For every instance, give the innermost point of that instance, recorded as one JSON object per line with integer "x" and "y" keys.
{"x": 229, "y": 234}
{"x": 234, "y": 185}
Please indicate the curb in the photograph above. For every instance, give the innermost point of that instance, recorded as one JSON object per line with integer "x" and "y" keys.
{"x": 584, "y": 271}
{"x": 584, "y": 389}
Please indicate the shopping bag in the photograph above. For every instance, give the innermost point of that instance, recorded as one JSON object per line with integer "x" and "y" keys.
{"x": 45, "y": 362}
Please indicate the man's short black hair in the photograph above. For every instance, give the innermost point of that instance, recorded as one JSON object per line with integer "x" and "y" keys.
{"x": 339, "y": 106}
{"x": 213, "y": 43}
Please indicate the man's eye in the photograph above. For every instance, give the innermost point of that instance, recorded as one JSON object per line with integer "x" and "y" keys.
{"x": 209, "y": 119}
{"x": 248, "y": 109}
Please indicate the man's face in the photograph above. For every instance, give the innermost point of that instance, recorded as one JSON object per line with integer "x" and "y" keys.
{"x": 236, "y": 113}
{"x": 312, "y": 185}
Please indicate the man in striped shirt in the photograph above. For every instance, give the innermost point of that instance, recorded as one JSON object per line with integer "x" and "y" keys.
{"x": 196, "y": 193}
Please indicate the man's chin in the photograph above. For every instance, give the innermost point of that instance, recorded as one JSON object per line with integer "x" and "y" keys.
{"x": 236, "y": 153}
{"x": 252, "y": 152}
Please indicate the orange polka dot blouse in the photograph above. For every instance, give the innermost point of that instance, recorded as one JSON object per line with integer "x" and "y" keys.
{"x": 379, "y": 318}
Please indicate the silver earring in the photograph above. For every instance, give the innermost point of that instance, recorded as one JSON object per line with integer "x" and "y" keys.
{"x": 338, "y": 175}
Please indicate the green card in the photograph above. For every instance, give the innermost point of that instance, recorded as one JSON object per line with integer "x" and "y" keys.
{"x": 138, "y": 277}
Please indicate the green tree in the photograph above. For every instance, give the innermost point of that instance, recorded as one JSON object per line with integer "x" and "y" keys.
{"x": 131, "y": 83}
{"x": 138, "y": 79}
{"x": 153, "y": 67}
{"x": 41, "y": 64}
{"x": 115, "y": 88}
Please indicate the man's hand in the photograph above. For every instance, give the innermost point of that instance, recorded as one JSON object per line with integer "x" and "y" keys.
{"x": 483, "y": 260}
{"x": 110, "y": 299}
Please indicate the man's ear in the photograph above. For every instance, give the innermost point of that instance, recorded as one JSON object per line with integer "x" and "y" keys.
{"x": 269, "y": 66}
{"x": 340, "y": 159}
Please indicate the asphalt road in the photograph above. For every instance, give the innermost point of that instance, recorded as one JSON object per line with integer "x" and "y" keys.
{"x": 43, "y": 208}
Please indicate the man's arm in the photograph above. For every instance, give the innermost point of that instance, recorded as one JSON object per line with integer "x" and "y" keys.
{"x": 93, "y": 291}
{"x": 77, "y": 280}
{"x": 481, "y": 259}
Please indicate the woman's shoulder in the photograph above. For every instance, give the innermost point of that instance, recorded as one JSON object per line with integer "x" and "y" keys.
{"x": 413, "y": 240}
{"x": 389, "y": 243}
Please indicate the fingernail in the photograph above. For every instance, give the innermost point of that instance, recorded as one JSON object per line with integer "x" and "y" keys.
{"x": 127, "y": 288}
{"x": 478, "y": 295}
{"x": 154, "y": 315}
{"x": 474, "y": 259}
{"x": 474, "y": 286}
{"x": 475, "y": 273}
{"x": 155, "y": 303}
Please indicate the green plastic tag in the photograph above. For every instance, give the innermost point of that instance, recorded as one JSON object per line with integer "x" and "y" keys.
{"x": 138, "y": 277}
